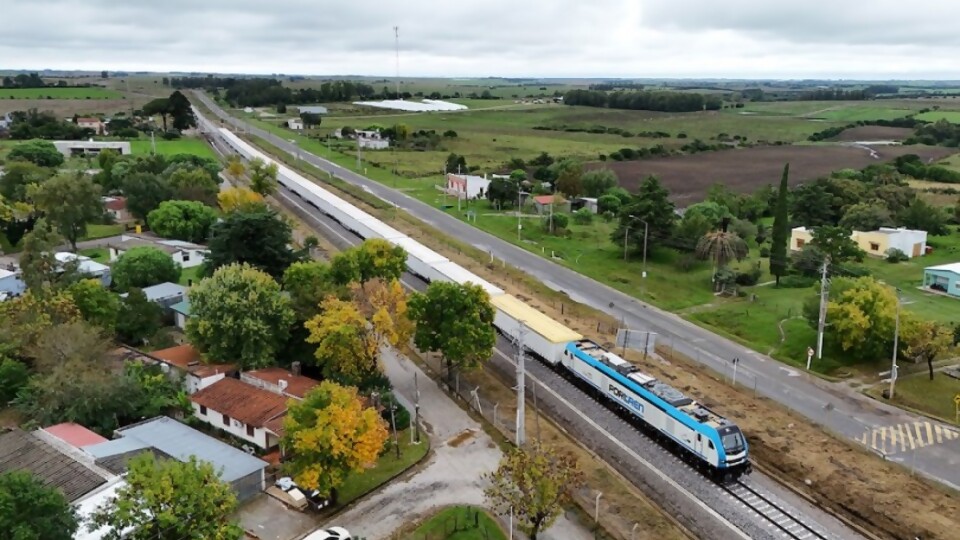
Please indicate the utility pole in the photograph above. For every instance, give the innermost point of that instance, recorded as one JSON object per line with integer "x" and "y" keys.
{"x": 824, "y": 294}
{"x": 519, "y": 213}
{"x": 646, "y": 229}
{"x": 393, "y": 420}
{"x": 896, "y": 345}
{"x": 626, "y": 230}
{"x": 521, "y": 427}
{"x": 396, "y": 35}
{"x": 416, "y": 406}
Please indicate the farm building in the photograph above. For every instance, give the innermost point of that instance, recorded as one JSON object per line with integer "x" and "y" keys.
{"x": 295, "y": 124}
{"x": 312, "y": 109}
{"x": 90, "y": 148}
{"x": 944, "y": 278}
{"x": 912, "y": 243}
{"x": 467, "y": 186}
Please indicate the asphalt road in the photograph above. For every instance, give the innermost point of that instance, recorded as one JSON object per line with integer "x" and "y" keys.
{"x": 832, "y": 405}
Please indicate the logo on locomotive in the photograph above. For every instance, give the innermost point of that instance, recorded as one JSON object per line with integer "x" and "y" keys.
{"x": 622, "y": 396}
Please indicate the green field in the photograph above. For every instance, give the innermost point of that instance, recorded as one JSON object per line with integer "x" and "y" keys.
{"x": 59, "y": 93}
{"x": 459, "y": 523}
{"x": 96, "y": 230}
{"x": 932, "y": 116}
{"x": 179, "y": 146}
{"x": 919, "y": 392}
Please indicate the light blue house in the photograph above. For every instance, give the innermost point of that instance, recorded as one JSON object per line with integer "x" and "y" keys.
{"x": 944, "y": 278}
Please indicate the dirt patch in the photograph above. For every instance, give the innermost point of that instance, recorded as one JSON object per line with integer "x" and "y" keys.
{"x": 461, "y": 438}
{"x": 874, "y": 133}
{"x": 744, "y": 170}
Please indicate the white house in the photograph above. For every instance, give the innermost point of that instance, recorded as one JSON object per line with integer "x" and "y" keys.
{"x": 280, "y": 381}
{"x": 295, "y": 124}
{"x": 243, "y": 410}
{"x": 878, "y": 243}
{"x": 86, "y": 266}
{"x": 186, "y": 254}
{"x": 165, "y": 294}
{"x": 90, "y": 148}
{"x": 10, "y": 283}
{"x": 467, "y": 186}
{"x": 95, "y": 124}
{"x": 185, "y": 361}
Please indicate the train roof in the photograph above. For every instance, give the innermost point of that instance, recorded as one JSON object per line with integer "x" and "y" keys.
{"x": 459, "y": 274}
{"x": 550, "y": 329}
{"x": 381, "y": 229}
{"x": 419, "y": 251}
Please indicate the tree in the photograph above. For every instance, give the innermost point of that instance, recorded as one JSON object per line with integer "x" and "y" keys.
{"x": 835, "y": 243}
{"x": 235, "y": 167}
{"x": 503, "y": 191}
{"x": 14, "y": 375}
{"x": 598, "y": 181}
{"x": 138, "y": 318}
{"x": 263, "y": 177}
{"x": 535, "y": 483}
{"x": 183, "y": 220}
{"x": 862, "y": 315}
{"x": 26, "y": 318}
{"x": 926, "y": 340}
{"x": 608, "y": 203}
{"x": 569, "y": 173}
{"x": 651, "y": 203}
{"x": 239, "y": 315}
{"x": 97, "y": 305}
{"x": 455, "y": 320}
{"x": 193, "y": 184}
{"x": 18, "y": 175}
{"x": 145, "y": 192}
{"x": 239, "y": 199}
{"x": 159, "y": 106}
{"x": 722, "y": 247}
{"x": 455, "y": 164}
{"x": 308, "y": 283}
{"x": 179, "y": 108}
{"x": 259, "y": 237}
{"x": 374, "y": 258}
{"x": 924, "y": 217}
{"x": 330, "y": 434}
{"x": 780, "y": 235}
{"x": 42, "y": 153}
{"x": 30, "y": 510}
{"x": 40, "y": 269}
{"x": 144, "y": 266}
{"x": 866, "y": 216}
{"x": 70, "y": 203}
{"x": 310, "y": 120}
{"x": 170, "y": 500}
{"x": 350, "y": 334}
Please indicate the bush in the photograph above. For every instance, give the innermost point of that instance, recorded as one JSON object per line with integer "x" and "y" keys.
{"x": 450, "y": 134}
{"x": 582, "y": 216}
{"x": 685, "y": 262}
{"x": 895, "y": 255}
{"x": 797, "y": 282}
{"x": 748, "y": 279}
{"x": 127, "y": 133}
{"x": 144, "y": 266}
{"x": 13, "y": 376}
{"x": 608, "y": 203}
{"x": 560, "y": 221}
{"x": 765, "y": 252}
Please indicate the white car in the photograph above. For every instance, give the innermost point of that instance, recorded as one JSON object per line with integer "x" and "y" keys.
{"x": 333, "y": 533}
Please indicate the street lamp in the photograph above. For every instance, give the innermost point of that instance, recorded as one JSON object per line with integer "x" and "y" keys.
{"x": 646, "y": 230}
{"x": 896, "y": 344}
{"x": 596, "y": 508}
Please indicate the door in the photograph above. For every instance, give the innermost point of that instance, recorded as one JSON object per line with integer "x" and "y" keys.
{"x": 916, "y": 250}
{"x": 698, "y": 444}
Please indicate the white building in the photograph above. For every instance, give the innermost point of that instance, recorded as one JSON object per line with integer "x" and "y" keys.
{"x": 185, "y": 361}
{"x": 878, "y": 243}
{"x": 295, "y": 124}
{"x": 467, "y": 186}
{"x": 86, "y": 266}
{"x": 243, "y": 410}
{"x": 280, "y": 381}
{"x": 186, "y": 254}
{"x": 90, "y": 148}
{"x": 165, "y": 294}
{"x": 10, "y": 283}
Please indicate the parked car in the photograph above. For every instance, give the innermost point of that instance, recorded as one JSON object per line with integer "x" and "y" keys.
{"x": 332, "y": 533}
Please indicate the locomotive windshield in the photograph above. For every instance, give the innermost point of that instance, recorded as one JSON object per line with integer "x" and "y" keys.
{"x": 732, "y": 440}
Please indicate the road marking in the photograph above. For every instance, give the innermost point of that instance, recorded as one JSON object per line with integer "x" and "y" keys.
{"x": 907, "y": 436}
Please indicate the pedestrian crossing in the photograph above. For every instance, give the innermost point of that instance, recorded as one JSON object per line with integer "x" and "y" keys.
{"x": 907, "y": 436}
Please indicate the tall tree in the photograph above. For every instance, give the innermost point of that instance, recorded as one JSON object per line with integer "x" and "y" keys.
{"x": 598, "y": 181}
{"x": 862, "y": 312}
{"x": 780, "y": 235}
{"x": 29, "y": 510}
{"x": 144, "y": 266}
{"x": 503, "y": 191}
{"x": 329, "y": 434}
{"x": 18, "y": 175}
{"x": 866, "y": 216}
{"x": 456, "y": 320}
{"x": 239, "y": 315}
{"x": 835, "y": 243}
{"x": 159, "y": 106}
{"x": 722, "y": 247}
{"x": 569, "y": 173}
{"x": 926, "y": 340}
{"x": 170, "y": 500}
{"x": 97, "y": 305}
{"x": 144, "y": 192}
{"x": 193, "y": 184}
{"x": 260, "y": 238}
{"x": 263, "y": 177}
{"x": 374, "y": 258}
{"x": 138, "y": 318}
{"x": 308, "y": 283}
{"x": 179, "y": 109}
{"x": 183, "y": 220}
{"x": 456, "y": 164}
{"x": 239, "y": 198}
{"x": 40, "y": 269}
{"x": 535, "y": 483}
{"x": 25, "y": 319}
{"x": 651, "y": 203}
{"x": 69, "y": 202}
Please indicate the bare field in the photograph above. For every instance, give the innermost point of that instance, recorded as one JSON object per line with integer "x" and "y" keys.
{"x": 69, "y": 107}
{"x": 874, "y": 133}
{"x": 689, "y": 177}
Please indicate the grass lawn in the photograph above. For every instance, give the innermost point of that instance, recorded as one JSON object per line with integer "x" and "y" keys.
{"x": 388, "y": 466}
{"x": 192, "y": 273}
{"x": 97, "y": 230}
{"x": 459, "y": 523}
{"x": 932, "y": 116}
{"x": 179, "y": 146}
{"x": 59, "y": 93}
{"x": 919, "y": 392}
{"x": 101, "y": 255}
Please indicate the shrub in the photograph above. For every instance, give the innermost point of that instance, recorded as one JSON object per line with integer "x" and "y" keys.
{"x": 582, "y": 216}
{"x": 748, "y": 279}
{"x": 895, "y": 255}
{"x": 685, "y": 262}
{"x": 765, "y": 252}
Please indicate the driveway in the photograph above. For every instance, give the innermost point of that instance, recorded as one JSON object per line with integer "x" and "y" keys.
{"x": 452, "y": 475}
{"x": 270, "y": 519}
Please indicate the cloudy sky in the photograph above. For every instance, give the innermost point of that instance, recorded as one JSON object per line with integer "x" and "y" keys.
{"x": 544, "y": 38}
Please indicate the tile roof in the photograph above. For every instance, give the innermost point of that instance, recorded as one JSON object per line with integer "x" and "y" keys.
{"x": 187, "y": 358}
{"x": 241, "y": 401}
{"x": 548, "y": 199}
{"x": 20, "y": 451}
{"x": 115, "y": 203}
{"x": 74, "y": 434}
{"x": 297, "y": 385}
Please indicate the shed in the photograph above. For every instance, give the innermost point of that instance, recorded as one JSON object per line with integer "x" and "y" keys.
{"x": 181, "y": 312}
{"x": 944, "y": 279}
{"x": 165, "y": 294}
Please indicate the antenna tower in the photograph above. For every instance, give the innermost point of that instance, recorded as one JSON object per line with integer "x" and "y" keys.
{"x": 396, "y": 40}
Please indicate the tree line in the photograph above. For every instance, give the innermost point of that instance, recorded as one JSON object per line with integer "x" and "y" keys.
{"x": 257, "y": 92}
{"x": 663, "y": 101}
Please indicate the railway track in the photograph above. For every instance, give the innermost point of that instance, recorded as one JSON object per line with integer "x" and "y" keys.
{"x": 772, "y": 512}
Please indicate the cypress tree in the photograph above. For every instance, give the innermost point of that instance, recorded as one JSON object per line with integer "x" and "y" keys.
{"x": 781, "y": 230}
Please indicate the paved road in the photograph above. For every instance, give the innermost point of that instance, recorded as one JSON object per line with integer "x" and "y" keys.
{"x": 832, "y": 405}
{"x": 461, "y": 453}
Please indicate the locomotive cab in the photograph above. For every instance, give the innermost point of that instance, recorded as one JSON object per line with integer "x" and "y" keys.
{"x": 735, "y": 448}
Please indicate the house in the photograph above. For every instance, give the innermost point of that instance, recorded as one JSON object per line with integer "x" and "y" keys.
{"x": 590, "y": 203}
{"x": 91, "y": 147}
{"x": 86, "y": 266}
{"x": 52, "y": 461}
{"x": 312, "y": 109}
{"x": 280, "y": 381}
{"x": 167, "y": 437}
{"x": 117, "y": 208}
{"x": 165, "y": 294}
{"x": 5, "y": 122}
{"x": 543, "y": 204}
{"x": 944, "y": 278}
{"x": 372, "y": 140}
{"x": 912, "y": 243}
{"x": 295, "y": 124}
{"x": 92, "y": 123}
{"x": 10, "y": 282}
{"x": 185, "y": 360}
{"x": 467, "y": 186}
{"x": 243, "y": 410}
{"x": 186, "y": 254}
{"x": 181, "y": 312}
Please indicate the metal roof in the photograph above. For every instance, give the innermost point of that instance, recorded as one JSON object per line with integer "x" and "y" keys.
{"x": 182, "y": 308}
{"x": 162, "y": 290}
{"x": 952, "y": 267}
{"x": 550, "y": 329}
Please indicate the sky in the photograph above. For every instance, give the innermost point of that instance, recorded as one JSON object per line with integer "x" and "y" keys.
{"x": 832, "y": 39}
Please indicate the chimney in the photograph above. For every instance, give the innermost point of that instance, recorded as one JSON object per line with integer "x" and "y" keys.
{"x": 282, "y": 384}
{"x": 295, "y": 368}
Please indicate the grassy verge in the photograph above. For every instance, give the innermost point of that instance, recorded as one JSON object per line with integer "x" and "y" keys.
{"x": 196, "y": 147}
{"x": 918, "y": 392}
{"x": 97, "y": 230}
{"x": 191, "y": 274}
{"x": 459, "y": 523}
{"x": 386, "y": 469}
{"x": 101, "y": 255}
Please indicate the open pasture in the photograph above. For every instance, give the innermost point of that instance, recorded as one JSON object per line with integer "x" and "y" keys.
{"x": 950, "y": 116}
{"x": 874, "y": 133}
{"x": 59, "y": 93}
{"x": 689, "y": 177}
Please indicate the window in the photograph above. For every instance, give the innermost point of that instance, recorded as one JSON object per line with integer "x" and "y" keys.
{"x": 710, "y": 444}
{"x": 249, "y": 430}
{"x": 226, "y": 420}
{"x": 874, "y": 246}
{"x": 186, "y": 256}
{"x": 203, "y": 410}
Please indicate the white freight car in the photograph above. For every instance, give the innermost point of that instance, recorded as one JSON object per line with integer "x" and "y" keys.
{"x": 421, "y": 260}
{"x": 543, "y": 336}
{"x": 451, "y": 271}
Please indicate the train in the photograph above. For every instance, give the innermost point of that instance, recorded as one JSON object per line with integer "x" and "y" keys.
{"x": 700, "y": 436}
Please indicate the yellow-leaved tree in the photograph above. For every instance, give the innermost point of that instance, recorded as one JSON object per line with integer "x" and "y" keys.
{"x": 235, "y": 167}
{"x": 238, "y": 199}
{"x": 350, "y": 334}
{"x": 926, "y": 340}
{"x": 330, "y": 434}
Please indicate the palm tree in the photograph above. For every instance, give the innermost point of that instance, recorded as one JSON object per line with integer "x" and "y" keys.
{"x": 721, "y": 247}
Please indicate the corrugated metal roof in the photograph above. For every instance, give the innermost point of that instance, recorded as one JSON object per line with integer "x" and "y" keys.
{"x": 550, "y": 329}
{"x": 182, "y": 308}
{"x": 952, "y": 267}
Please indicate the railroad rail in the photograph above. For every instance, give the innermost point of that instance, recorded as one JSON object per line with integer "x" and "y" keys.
{"x": 774, "y": 513}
